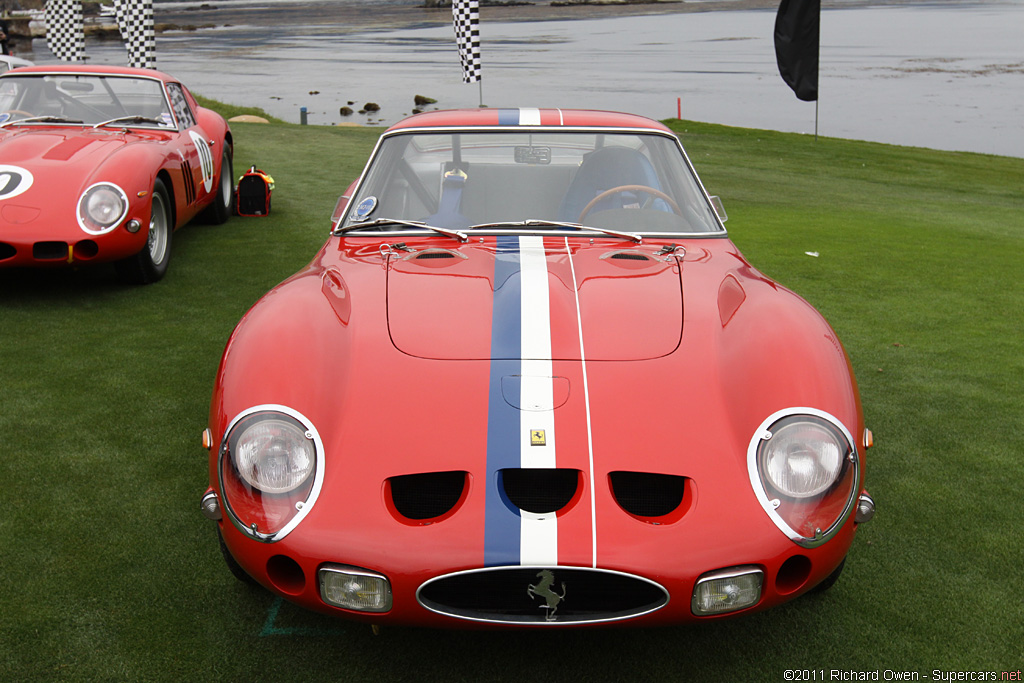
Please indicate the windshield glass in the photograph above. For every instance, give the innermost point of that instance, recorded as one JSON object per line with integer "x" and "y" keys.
{"x": 84, "y": 99}
{"x": 633, "y": 182}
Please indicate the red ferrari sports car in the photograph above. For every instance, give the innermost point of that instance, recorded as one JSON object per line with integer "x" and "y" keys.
{"x": 529, "y": 382}
{"x": 102, "y": 164}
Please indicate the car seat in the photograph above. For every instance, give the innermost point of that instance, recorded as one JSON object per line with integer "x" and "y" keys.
{"x": 602, "y": 170}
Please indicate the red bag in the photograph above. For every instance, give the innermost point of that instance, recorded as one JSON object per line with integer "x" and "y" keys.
{"x": 252, "y": 197}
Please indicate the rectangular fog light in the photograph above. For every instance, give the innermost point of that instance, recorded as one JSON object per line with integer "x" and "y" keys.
{"x": 727, "y": 590}
{"x": 355, "y": 589}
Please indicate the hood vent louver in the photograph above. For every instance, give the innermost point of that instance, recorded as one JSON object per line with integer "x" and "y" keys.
{"x": 427, "y": 496}
{"x": 540, "y": 491}
{"x": 655, "y": 498}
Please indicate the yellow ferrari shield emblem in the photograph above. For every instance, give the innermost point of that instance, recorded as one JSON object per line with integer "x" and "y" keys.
{"x": 538, "y": 437}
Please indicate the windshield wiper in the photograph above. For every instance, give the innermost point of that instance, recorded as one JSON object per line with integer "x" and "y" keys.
{"x": 129, "y": 119}
{"x": 41, "y": 119}
{"x": 539, "y": 223}
{"x": 454, "y": 234}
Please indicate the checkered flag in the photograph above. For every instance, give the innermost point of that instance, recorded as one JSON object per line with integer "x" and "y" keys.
{"x": 135, "y": 21}
{"x": 64, "y": 32}
{"x": 466, "y": 18}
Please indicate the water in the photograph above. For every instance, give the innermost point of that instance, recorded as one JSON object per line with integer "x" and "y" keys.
{"x": 944, "y": 76}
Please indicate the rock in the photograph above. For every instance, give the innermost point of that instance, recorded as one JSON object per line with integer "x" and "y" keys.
{"x": 346, "y": 111}
{"x": 420, "y": 100}
{"x": 247, "y": 118}
{"x": 371, "y": 106}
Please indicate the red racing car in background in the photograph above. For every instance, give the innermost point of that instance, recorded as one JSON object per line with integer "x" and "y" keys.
{"x": 102, "y": 164}
{"x": 530, "y": 382}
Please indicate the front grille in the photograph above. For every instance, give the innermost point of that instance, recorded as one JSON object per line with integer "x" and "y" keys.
{"x": 428, "y": 495}
{"x": 542, "y": 595}
{"x": 645, "y": 494}
{"x": 540, "y": 491}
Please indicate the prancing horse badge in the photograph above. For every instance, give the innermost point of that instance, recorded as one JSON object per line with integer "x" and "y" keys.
{"x": 538, "y": 437}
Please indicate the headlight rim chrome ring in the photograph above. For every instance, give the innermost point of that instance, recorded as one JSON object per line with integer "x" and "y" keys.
{"x": 80, "y": 210}
{"x": 318, "y": 472}
{"x": 770, "y": 503}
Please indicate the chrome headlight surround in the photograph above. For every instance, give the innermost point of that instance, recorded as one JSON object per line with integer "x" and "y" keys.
{"x": 101, "y": 208}
{"x": 806, "y": 484}
{"x": 280, "y": 438}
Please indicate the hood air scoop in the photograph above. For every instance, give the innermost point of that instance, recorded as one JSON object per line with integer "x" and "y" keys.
{"x": 483, "y": 302}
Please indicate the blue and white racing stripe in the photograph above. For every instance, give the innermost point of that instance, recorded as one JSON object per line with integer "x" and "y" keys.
{"x": 521, "y": 353}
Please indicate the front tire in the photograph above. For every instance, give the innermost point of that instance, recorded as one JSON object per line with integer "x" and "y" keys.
{"x": 150, "y": 264}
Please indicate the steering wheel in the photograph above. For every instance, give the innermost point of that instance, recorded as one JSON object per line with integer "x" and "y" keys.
{"x": 629, "y": 188}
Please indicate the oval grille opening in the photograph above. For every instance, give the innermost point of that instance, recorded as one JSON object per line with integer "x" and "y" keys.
{"x": 645, "y": 494}
{"x": 542, "y": 595}
{"x": 540, "y": 491}
{"x": 426, "y": 496}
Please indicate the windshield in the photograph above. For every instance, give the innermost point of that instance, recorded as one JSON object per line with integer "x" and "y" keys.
{"x": 83, "y": 99}
{"x": 624, "y": 181}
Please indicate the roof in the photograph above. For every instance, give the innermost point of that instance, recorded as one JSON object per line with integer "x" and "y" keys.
{"x": 96, "y": 70}
{"x": 486, "y": 117}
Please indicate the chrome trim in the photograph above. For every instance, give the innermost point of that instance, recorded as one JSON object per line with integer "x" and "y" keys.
{"x": 318, "y": 475}
{"x": 762, "y": 433}
{"x": 209, "y": 505}
{"x": 553, "y": 568}
{"x": 865, "y": 508}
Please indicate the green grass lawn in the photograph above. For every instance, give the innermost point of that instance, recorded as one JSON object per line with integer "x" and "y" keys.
{"x": 109, "y": 572}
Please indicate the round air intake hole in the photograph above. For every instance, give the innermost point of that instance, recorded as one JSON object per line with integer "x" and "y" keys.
{"x": 286, "y": 574}
{"x": 792, "y": 574}
{"x": 86, "y": 249}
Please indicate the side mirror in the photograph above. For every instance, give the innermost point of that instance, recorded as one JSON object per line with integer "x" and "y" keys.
{"x": 716, "y": 202}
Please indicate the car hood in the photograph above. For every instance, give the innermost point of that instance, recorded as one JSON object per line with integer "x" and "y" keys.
{"x": 57, "y": 145}
{"x": 480, "y": 302}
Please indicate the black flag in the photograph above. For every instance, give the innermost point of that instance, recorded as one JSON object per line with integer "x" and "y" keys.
{"x": 797, "y": 32}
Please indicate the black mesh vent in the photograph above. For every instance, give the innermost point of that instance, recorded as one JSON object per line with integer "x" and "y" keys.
{"x": 540, "y": 491}
{"x": 434, "y": 254}
{"x": 428, "y": 495}
{"x": 532, "y": 595}
{"x": 648, "y": 495}
{"x": 6, "y": 251}
{"x": 49, "y": 251}
{"x": 627, "y": 256}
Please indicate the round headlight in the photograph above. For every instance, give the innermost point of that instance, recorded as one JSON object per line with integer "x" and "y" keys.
{"x": 273, "y": 454}
{"x": 101, "y": 208}
{"x": 802, "y": 458}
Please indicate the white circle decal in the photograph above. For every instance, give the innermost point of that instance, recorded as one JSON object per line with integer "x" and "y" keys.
{"x": 13, "y": 181}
